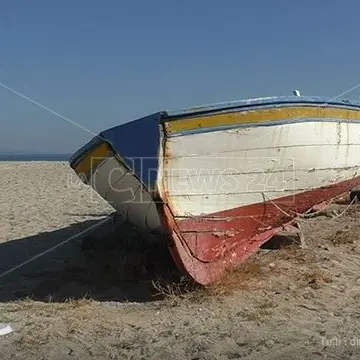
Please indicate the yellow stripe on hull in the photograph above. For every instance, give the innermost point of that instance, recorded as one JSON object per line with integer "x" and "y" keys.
{"x": 92, "y": 159}
{"x": 260, "y": 116}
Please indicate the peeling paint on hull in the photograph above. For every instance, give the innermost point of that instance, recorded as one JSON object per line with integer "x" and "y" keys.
{"x": 205, "y": 255}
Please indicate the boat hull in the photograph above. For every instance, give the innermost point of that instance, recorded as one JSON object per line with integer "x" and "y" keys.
{"x": 228, "y": 178}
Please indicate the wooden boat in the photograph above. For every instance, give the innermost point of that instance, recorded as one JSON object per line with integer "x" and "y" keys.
{"x": 221, "y": 180}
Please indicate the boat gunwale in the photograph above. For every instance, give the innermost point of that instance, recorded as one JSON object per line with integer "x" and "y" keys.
{"x": 79, "y": 155}
{"x": 247, "y": 125}
{"x": 255, "y": 104}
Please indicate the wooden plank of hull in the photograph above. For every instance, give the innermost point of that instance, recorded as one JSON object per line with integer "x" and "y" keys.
{"x": 214, "y": 187}
{"x": 263, "y": 160}
{"x": 263, "y": 137}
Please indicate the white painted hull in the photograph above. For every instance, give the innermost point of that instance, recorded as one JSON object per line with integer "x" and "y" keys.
{"x": 215, "y": 171}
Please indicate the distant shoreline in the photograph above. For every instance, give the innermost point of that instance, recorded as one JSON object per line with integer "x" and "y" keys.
{"x": 35, "y": 157}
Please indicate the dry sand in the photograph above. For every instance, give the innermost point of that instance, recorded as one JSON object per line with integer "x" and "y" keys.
{"x": 95, "y": 299}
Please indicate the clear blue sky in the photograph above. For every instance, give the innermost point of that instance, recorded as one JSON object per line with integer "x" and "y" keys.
{"x": 102, "y": 63}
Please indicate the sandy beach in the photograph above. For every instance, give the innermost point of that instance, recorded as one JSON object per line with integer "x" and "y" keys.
{"x": 116, "y": 295}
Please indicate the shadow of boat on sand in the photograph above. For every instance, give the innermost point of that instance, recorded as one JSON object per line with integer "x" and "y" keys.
{"x": 119, "y": 265}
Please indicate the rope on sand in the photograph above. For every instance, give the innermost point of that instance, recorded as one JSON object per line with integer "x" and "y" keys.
{"x": 300, "y": 217}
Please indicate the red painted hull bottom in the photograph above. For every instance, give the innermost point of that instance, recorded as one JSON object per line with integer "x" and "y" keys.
{"x": 204, "y": 247}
